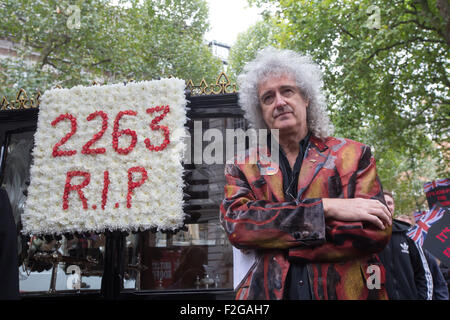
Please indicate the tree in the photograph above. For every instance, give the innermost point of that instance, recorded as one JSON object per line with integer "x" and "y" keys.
{"x": 77, "y": 42}
{"x": 385, "y": 67}
{"x": 249, "y": 42}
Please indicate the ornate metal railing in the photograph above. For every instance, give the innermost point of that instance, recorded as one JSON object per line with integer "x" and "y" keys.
{"x": 21, "y": 102}
{"x": 222, "y": 85}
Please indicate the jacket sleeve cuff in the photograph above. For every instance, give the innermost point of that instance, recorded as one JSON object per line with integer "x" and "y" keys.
{"x": 311, "y": 227}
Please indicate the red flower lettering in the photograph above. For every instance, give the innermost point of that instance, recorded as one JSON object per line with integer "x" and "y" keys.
{"x": 69, "y": 187}
{"x": 132, "y": 184}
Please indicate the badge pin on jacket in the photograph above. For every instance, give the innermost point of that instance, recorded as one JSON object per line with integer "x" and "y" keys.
{"x": 266, "y": 166}
{"x": 268, "y": 171}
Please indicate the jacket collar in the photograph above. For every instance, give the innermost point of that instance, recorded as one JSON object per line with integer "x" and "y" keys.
{"x": 317, "y": 154}
{"x": 318, "y": 143}
{"x": 400, "y": 226}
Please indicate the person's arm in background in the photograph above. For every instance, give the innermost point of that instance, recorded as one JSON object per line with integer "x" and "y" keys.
{"x": 422, "y": 275}
{"x": 440, "y": 290}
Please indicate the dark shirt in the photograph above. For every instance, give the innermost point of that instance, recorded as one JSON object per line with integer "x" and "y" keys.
{"x": 297, "y": 283}
{"x": 290, "y": 176}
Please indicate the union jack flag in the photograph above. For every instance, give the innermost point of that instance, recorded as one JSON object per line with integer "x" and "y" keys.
{"x": 418, "y": 215}
{"x": 420, "y": 230}
{"x": 427, "y": 187}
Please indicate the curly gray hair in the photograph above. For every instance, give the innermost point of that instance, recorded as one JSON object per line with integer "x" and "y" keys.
{"x": 307, "y": 75}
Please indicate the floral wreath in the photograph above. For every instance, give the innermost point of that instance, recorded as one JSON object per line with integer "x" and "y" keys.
{"x": 108, "y": 158}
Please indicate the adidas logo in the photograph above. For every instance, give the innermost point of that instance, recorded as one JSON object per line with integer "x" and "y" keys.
{"x": 405, "y": 248}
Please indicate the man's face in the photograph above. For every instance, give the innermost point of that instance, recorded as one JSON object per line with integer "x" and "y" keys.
{"x": 283, "y": 106}
{"x": 390, "y": 203}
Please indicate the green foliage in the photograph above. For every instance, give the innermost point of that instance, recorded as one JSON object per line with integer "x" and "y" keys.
{"x": 249, "y": 42}
{"x": 138, "y": 40}
{"x": 386, "y": 67}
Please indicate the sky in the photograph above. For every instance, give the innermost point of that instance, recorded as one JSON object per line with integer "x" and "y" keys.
{"x": 229, "y": 18}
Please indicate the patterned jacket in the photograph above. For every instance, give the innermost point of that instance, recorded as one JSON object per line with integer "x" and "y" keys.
{"x": 255, "y": 215}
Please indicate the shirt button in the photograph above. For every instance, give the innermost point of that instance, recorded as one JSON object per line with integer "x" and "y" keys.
{"x": 300, "y": 283}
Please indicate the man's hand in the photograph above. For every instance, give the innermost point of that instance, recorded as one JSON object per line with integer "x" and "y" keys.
{"x": 357, "y": 209}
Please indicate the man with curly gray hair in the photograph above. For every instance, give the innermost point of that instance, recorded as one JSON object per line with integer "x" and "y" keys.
{"x": 307, "y": 75}
{"x": 317, "y": 221}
